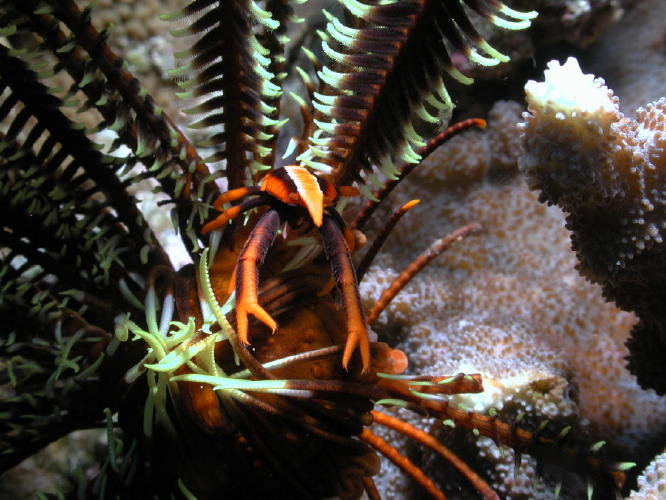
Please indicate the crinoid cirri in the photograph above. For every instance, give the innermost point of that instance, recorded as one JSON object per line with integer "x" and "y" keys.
{"x": 252, "y": 372}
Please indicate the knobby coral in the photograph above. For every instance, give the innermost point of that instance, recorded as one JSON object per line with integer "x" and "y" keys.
{"x": 508, "y": 304}
{"x": 652, "y": 483}
{"x": 608, "y": 173}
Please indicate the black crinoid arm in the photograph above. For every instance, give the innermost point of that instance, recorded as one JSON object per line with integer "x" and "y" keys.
{"x": 75, "y": 251}
{"x": 384, "y": 88}
{"x": 230, "y": 70}
{"x": 81, "y": 271}
{"x": 76, "y": 255}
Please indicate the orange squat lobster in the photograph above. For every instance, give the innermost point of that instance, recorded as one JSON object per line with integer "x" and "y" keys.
{"x": 294, "y": 195}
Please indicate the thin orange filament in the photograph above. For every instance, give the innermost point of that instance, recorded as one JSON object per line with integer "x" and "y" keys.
{"x": 404, "y": 463}
{"x": 430, "y": 442}
{"x": 417, "y": 264}
{"x": 371, "y": 489}
{"x": 381, "y": 238}
{"x": 371, "y": 205}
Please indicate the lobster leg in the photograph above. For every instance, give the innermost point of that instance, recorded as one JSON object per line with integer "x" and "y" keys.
{"x": 233, "y": 195}
{"x": 233, "y": 212}
{"x": 247, "y": 273}
{"x": 345, "y": 277}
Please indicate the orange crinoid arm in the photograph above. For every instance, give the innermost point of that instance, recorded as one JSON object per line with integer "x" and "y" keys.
{"x": 250, "y": 258}
{"x": 345, "y": 277}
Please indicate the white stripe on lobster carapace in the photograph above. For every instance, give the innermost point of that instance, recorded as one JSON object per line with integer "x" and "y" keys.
{"x": 309, "y": 191}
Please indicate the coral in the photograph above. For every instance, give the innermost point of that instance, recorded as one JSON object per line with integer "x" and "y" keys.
{"x": 139, "y": 33}
{"x": 50, "y": 469}
{"x": 133, "y": 22}
{"x": 495, "y": 151}
{"x": 608, "y": 173}
{"x": 481, "y": 304}
{"x": 562, "y": 26}
{"x": 652, "y": 482}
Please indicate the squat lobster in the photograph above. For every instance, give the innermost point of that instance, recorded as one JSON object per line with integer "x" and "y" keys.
{"x": 293, "y": 193}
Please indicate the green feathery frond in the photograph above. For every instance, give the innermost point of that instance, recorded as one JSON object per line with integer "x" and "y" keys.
{"x": 384, "y": 82}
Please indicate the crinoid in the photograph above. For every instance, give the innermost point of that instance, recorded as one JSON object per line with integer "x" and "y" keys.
{"x": 100, "y": 330}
